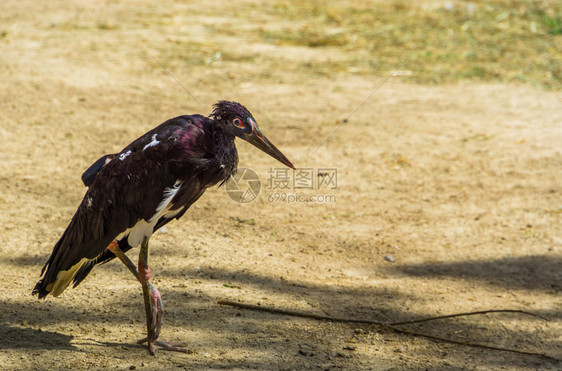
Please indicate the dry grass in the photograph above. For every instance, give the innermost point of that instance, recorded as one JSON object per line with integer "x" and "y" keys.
{"x": 444, "y": 41}
{"x": 480, "y": 40}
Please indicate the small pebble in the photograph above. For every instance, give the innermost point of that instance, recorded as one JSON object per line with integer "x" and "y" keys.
{"x": 389, "y": 258}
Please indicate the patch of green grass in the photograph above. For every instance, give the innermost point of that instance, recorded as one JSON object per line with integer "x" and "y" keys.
{"x": 107, "y": 27}
{"x": 476, "y": 71}
{"x": 554, "y": 25}
{"x": 305, "y": 36}
{"x": 246, "y": 221}
{"x": 231, "y": 286}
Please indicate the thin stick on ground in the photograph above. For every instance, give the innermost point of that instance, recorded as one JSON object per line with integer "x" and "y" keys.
{"x": 393, "y": 326}
{"x": 465, "y": 314}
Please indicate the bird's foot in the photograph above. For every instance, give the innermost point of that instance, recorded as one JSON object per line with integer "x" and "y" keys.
{"x": 156, "y": 316}
{"x": 156, "y": 319}
{"x": 154, "y": 345}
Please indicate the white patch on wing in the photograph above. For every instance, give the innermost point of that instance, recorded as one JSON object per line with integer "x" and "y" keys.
{"x": 169, "y": 194}
{"x": 123, "y": 156}
{"x": 136, "y": 234}
{"x": 142, "y": 229}
{"x": 64, "y": 277}
{"x": 153, "y": 143}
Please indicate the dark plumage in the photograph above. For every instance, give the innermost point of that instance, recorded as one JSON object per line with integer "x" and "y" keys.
{"x": 152, "y": 181}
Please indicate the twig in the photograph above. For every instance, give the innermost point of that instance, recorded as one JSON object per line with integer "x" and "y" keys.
{"x": 298, "y": 314}
{"x": 469, "y": 314}
{"x": 470, "y": 344}
{"x": 393, "y": 326}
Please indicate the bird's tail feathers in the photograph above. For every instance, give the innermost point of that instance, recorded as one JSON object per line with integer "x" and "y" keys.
{"x": 104, "y": 257}
{"x": 69, "y": 255}
{"x": 56, "y": 278}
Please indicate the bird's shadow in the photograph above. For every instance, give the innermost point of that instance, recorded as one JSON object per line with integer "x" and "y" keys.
{"x": 535, "y": 272}
{"x": 14, "y": 337}
{"x": 191, "y": 308}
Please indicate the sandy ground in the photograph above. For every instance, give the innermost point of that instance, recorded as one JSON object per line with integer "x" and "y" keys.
{"x": 460, "y": 184}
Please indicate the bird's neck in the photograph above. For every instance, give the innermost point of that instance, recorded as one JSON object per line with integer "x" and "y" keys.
{"x": 226, "y": 152}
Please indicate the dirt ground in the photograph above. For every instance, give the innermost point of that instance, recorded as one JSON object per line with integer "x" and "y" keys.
{"x": 461, "y": 184}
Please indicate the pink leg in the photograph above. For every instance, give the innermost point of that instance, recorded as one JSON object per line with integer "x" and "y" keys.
{"x": 152, "y": 300}
{"x": 153, "y": 306}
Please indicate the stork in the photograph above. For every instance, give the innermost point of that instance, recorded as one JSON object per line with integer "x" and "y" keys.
{"x": 133, "y": 193}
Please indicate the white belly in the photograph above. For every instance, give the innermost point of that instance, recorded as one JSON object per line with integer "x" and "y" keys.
{"x": 144, "y": 228}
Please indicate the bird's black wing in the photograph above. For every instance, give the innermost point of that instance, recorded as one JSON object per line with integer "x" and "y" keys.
{"x": 193, "y": 191}
{"x": 127, "y": 189}
{"x": 89, "y": 175}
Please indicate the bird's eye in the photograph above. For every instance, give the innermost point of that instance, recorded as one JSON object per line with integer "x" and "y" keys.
{"x": 238, "y": 123}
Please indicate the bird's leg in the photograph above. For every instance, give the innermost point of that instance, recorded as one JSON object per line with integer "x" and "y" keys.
{"x": 152, "y": 299}
{"x": 153, "y": 306}
{"x": 114, "y": 248}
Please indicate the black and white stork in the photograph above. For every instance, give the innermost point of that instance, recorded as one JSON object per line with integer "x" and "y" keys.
{"x": 133, "y": 193}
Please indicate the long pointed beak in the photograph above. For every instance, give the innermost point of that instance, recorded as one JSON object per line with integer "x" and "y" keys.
{"x": 260, "y": 141}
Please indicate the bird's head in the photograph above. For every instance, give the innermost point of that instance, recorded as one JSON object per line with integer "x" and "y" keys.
{"x": 238, "y": 121}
